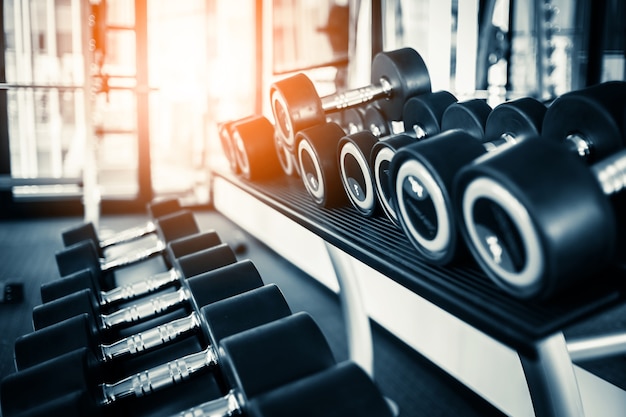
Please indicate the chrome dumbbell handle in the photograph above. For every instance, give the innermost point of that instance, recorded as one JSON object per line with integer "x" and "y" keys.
{"x": 611, "y": 172}
{"x": 128, "y": 235}
{"x": 137, "y": 289}
{"x": 351, "y": 98}
{"x": 159, "y": 377}
{"x": 225, "y": 406}
{"x": 145, "y": 309}
{"x": 151, "y": 338}
{"x": 133, "y": 257}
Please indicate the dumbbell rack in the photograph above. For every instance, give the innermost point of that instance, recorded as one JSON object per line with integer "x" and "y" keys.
{"x": 534, "y": 331}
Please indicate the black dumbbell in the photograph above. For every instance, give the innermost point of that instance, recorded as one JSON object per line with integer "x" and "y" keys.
{"x": 84, "y": 331}
{"x": 422, "y": 175}
{"x": 84, "y": 255}
{"x": 175, "y": 249}
{"x": 254, "y": 302}
{"x": 85, "y": 301}
{"x": 87, "y": 231}
{"x": 253, "y": 362}
{"x": 255, "y": 148}
{"x": 225, "y": 133}
{"x": 537, "y": 219}
{"x": 359, "y": 152}
{"x": 342, "y": 390}
{"x": 396, "y": 76}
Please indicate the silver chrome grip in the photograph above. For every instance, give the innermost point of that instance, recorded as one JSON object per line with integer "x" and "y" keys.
{"x": 146, "y": 309}
{"x": 159, "y": 377}
{"x": 128, "y": 235}
{"x": 133, "y": 257}
{"x": 221, "y": 407}
{"x": 611, "y": 172}
{"x": 151, "y": 338}
{"x": 140, "y": 288}
{"x": 357, "y": 96}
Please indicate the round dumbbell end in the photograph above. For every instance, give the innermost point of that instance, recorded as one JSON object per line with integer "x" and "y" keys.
{"x": 232, "y": 315}
{"x": 55, "y": 340}
{"x": 343, "y": 390}
{"x": 255, "y": 149}
{"x": 68, "y": 285}
{"x": 356, "y": 177}
{"x": 206, "y": 260}
{"x": 469, "y": 116}
{"x": 516, "y": 119}
{"x": 224, "y": 282}
{"x": 47, "y": 382}
{"x": 80, "y": 256}
{"x": 595, "y": 114}
{"x": 296, "y": 106}
{"x": 422, "y": 114}
{"x": 81, "y": 233}
{"x": 160, "y": 208}
{"x": 193, "y": 243}
{"x": 317, "y": 157}
{"x": 71, "y": 305}
{"x": 423, "y": 175}
{"x": 534, "y": 237}
{"x": 406, "y": 72}
{"x": 274, "y": 354}
{"x": 176, "y": 225}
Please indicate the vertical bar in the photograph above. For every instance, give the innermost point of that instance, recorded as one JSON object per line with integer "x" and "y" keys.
{"x": 551, "y": 379}
{"x": 356, "y": 318}
{"x": 439, "y": 42}
{"x": 5, "y": 150}
{"x": 259, "y": 54}
{"x": 595, "y": 47}
{"x": 146, "y": 192}
{"x": 467, "y": 45}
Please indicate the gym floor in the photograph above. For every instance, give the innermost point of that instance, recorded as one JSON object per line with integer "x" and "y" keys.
{"x": 27, "y": 249}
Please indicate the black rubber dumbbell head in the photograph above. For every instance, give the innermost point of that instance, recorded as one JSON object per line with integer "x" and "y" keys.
{"x": 422, "y": 114}
{"x": 255, "y": 149}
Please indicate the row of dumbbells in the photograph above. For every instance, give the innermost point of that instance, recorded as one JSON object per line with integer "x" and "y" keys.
{"x": 206, "y": 337}
{"x": 526, "y": 187}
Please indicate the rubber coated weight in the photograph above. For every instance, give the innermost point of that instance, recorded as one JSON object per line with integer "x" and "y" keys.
{"x": 396, "y": 75}
{"x": 86, "y": 279}
{"x": 422, "y": 114}
{"x": 407, "y": 74}
{"x": 220, "y": 284}
{"x": 422, "y": 119}
{"x": 285, "y": 350}
{"x": 225, "y": 134}
{"x": 255, "y": 149}
{"x": 594, "y": 115}
{"x": 87, "y": 231}
{"x": 317, "y": 157}
{"x": 343, "y": 390}
{"x": 537, "y": 233}
{"x": 420, "y": 174}
{"x": 471, "y": 116}
{"x": 382, "y": 154}
{"x": 514, "y": 121}
{"x": 86, "y": 302}
{"x": 286, "y": 158}
{"x": 357, "y": 179}
{"x": 375, "y": 121}
{"x": 353, "y": 120}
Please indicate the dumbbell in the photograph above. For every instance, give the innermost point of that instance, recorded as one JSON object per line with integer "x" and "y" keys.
{"x": 175, "y": 249}
{"x": 84, "y": 255}
{"x": 396, "y": 76}
{"x": 363, "y": 155}
{"x": 87, "y": 231}
{"x": 539, "y": 231}
{"x": 253, "y": 142}
{"x": 251, "y": 297}
{"x": 225, "y": 133}
{"x": 341, "y": 390}
{"x": 252, "y": 361}
{"x": 422, "y": 175}
{"x": 85, "y": 301}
